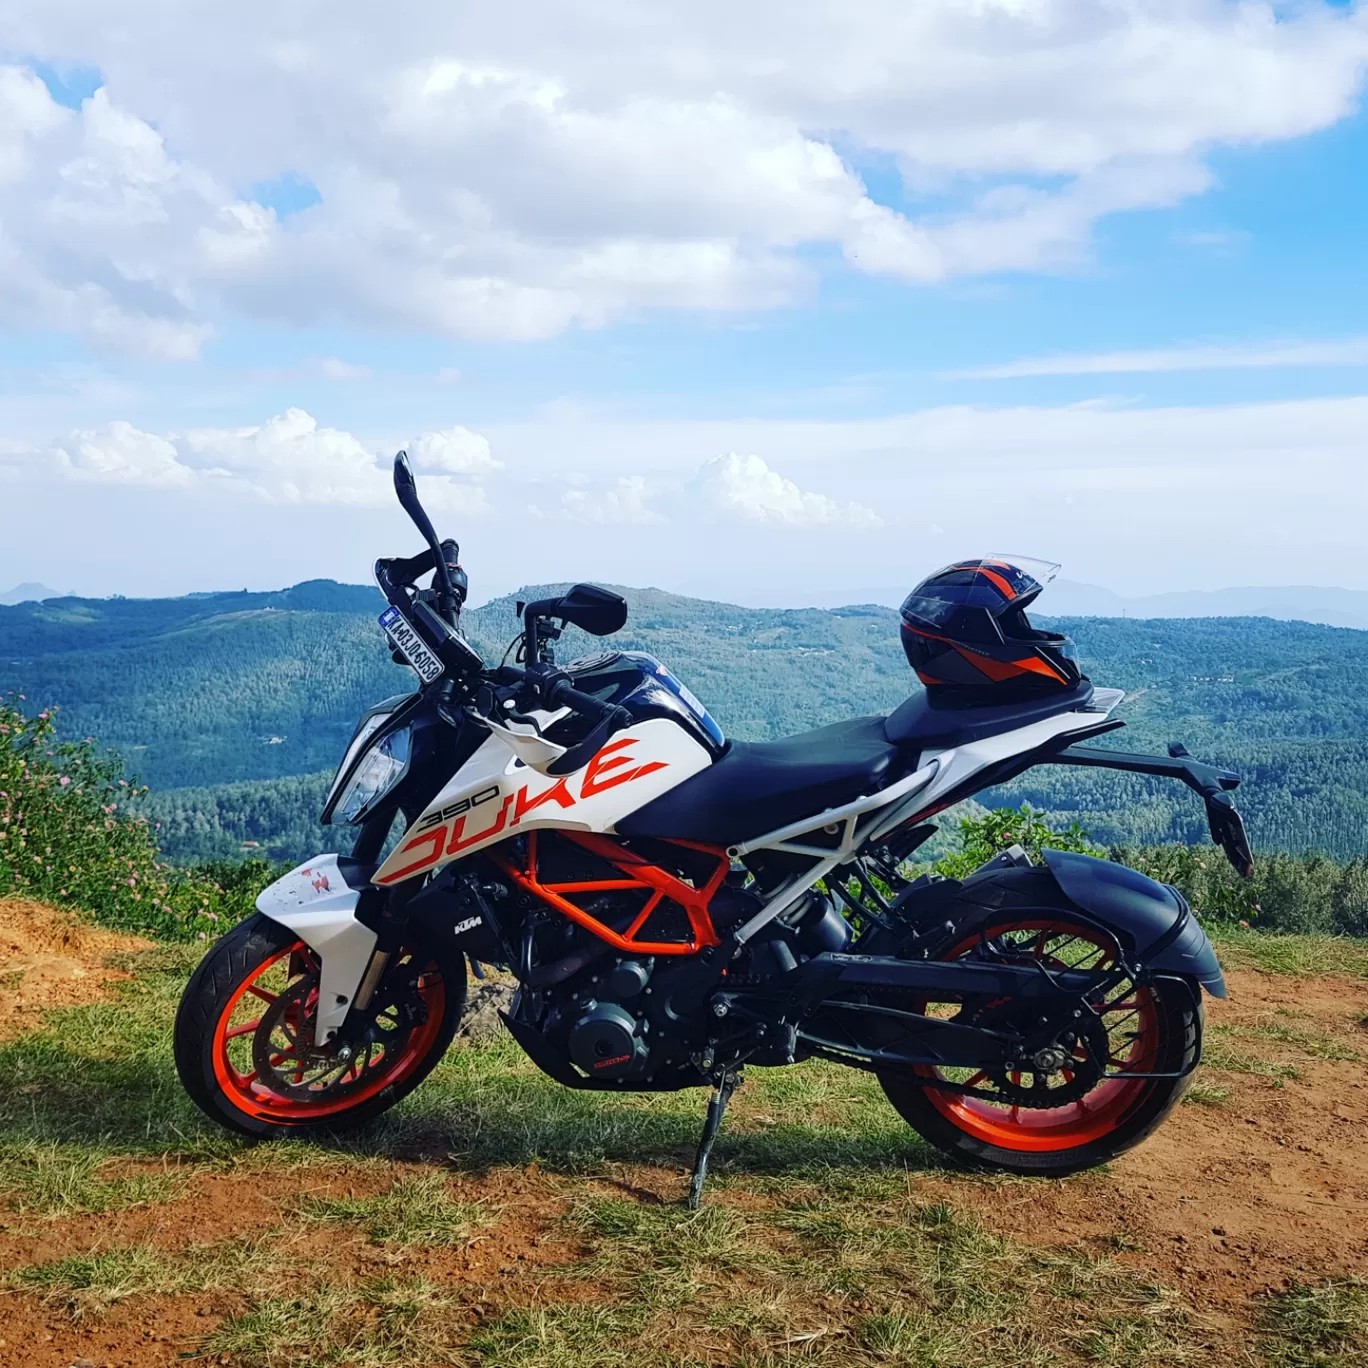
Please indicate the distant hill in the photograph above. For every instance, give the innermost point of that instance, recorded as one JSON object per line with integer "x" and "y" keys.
{"x": 28, "y": 592}
{"x": 236, "y": 707}
{"x": 1289, "y": 603}
{"x": 1070, "y": 598}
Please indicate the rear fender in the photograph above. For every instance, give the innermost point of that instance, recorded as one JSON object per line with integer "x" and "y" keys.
{"x": 1154, "y": 924}
{"x": 316, "y": 902}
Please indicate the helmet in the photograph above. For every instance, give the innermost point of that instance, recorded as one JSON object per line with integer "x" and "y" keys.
{"x": 965, "y": 628}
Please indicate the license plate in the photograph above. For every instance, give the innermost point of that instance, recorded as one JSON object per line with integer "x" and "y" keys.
{"x": 411, "y": 646}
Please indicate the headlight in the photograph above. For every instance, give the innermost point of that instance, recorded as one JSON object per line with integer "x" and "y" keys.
{"x": 380, "y": 769}
{"x": 369, "y": 726}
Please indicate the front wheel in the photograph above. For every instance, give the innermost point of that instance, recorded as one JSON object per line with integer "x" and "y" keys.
{"x": 244, "y": 1038}
{"x": 1072, "y": 1117}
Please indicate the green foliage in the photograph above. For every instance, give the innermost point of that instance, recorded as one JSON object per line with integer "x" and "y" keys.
{"x": 1291, "y": 894}
{"x": 273, "y": 818}
{"x": 983, "y": 837}
{"x": 235, "y": 707}
{"x": 72, "y": 833}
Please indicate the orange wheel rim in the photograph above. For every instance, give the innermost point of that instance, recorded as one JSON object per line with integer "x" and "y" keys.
{"x": 318, "y": 1091}
{"x": 1135, "y": 1041}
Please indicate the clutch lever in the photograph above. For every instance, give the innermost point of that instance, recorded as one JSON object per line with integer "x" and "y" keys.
{"x": 487, "y": 701}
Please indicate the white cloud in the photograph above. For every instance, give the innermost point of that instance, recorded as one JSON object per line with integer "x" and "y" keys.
{"x": 1143, "y": 500}
{"x": 745, "y": 487}
{"x": 623, "y": 502}
{"x": 453, "y": 451}
{"x": 121, "y": 454}
{"x": 98, "y": 230}
{"x": 333, "y": 368}
{"x": 509, "y": 173}
{"x": 289, "y": 459}
{"x": 1349, "y": 351}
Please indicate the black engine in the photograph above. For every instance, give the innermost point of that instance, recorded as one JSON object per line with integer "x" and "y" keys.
{"x": 645, "y": 1019}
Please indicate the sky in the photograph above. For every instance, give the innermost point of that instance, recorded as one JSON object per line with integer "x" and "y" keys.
{"x": 767, "y": 303}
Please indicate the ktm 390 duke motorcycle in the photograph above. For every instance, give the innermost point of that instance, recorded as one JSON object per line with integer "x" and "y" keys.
{"x": 675, "y": 906}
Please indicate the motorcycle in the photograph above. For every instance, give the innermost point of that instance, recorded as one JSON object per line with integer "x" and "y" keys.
{"x": 675, "y": 906}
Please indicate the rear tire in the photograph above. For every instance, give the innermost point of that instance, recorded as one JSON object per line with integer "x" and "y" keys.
{"x": 262, "y": 967}
{"x": 1103, "y": 1122}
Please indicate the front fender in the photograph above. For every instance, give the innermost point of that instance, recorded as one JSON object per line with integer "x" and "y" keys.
{"x": 315, "y": 901}
{"x": 1152, "y": 921}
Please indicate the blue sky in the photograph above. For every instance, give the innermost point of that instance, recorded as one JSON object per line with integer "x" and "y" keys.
{"x": 630, "y": 363}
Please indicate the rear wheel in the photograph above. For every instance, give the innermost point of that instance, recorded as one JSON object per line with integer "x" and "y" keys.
{"x": 1067, "y": 1114}
{"x": 244, "y": 1041}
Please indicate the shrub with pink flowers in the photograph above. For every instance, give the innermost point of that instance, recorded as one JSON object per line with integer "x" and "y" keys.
{"x": 72, "y": 833}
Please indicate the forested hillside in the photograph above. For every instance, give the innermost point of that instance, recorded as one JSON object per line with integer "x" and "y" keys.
{"x": 235, "y": 707}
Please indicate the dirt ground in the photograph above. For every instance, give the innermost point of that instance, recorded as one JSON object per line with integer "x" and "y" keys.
{"x": 50, "y": 959}
{"x": 1226, "y": 1202}
{"x": 1261, "y": 1185}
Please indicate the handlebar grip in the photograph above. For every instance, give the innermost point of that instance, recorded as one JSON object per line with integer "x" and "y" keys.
{"x": 562, "y": 695}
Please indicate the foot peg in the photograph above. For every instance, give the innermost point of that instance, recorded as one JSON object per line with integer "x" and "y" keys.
{"x": 717, "y": 1108}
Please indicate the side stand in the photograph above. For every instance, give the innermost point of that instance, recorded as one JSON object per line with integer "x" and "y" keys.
{"x": 717, "y": 1107}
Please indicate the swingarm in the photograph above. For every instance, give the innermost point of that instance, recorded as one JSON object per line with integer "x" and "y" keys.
{"x": 839, "y": 984}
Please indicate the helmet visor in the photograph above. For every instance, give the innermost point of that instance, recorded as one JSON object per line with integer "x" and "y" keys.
{"x": 1042, "y": 571}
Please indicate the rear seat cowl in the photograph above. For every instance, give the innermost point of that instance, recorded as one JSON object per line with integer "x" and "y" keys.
{"x": 916, "y": 723}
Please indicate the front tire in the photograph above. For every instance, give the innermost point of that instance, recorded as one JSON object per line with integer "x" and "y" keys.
{"x": 1155, "y": 1029}
{"x": 244, "y": 1030}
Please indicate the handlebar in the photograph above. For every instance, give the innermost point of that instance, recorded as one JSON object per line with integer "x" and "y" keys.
{"x": 551, "y": 689}
{"x": 541, "y": 686}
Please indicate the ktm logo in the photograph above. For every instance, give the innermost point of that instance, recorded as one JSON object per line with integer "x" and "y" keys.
{"x": 609, "y": 768}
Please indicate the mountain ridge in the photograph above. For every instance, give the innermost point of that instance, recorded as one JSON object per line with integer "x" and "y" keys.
{"x": 236, "y": 706}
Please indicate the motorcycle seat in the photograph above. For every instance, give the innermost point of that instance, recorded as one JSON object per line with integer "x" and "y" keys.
{"x": 918, "y": 724}
{"x": 760, "y": 786}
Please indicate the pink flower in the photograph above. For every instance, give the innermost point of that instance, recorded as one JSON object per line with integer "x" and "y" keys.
{"x": 64, "y": 781}
{"x": 132, "y": 883}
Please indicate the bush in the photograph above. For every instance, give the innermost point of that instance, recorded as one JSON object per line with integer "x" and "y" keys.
{"x": 71, "y": 833}
{"x": 1290, "y": 894}
{"x": 983, "y": 837}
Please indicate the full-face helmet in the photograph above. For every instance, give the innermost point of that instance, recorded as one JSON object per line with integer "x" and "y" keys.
{"x": 965, "y": 629}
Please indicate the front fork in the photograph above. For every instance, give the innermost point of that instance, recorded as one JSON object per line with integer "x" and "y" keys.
{"x": 316, "y": 903}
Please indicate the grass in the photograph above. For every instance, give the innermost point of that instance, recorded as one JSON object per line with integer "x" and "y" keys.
{"x": 45, "y": 1179}
{"x": 385, "y": 1323}
{"x": 88, "y": 1284}
{"x": 1295, "y": 955}
{"x": 417, "y": 1209}
{"x": 1202, "y": 1093}
{"x": 814, "y": 1246}
{"x": 1221, "y": 1052}
{"x": 821, "y": 1278}
{"x": 1318, "y": 1327}
{"x": 1313, "y": 1044}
